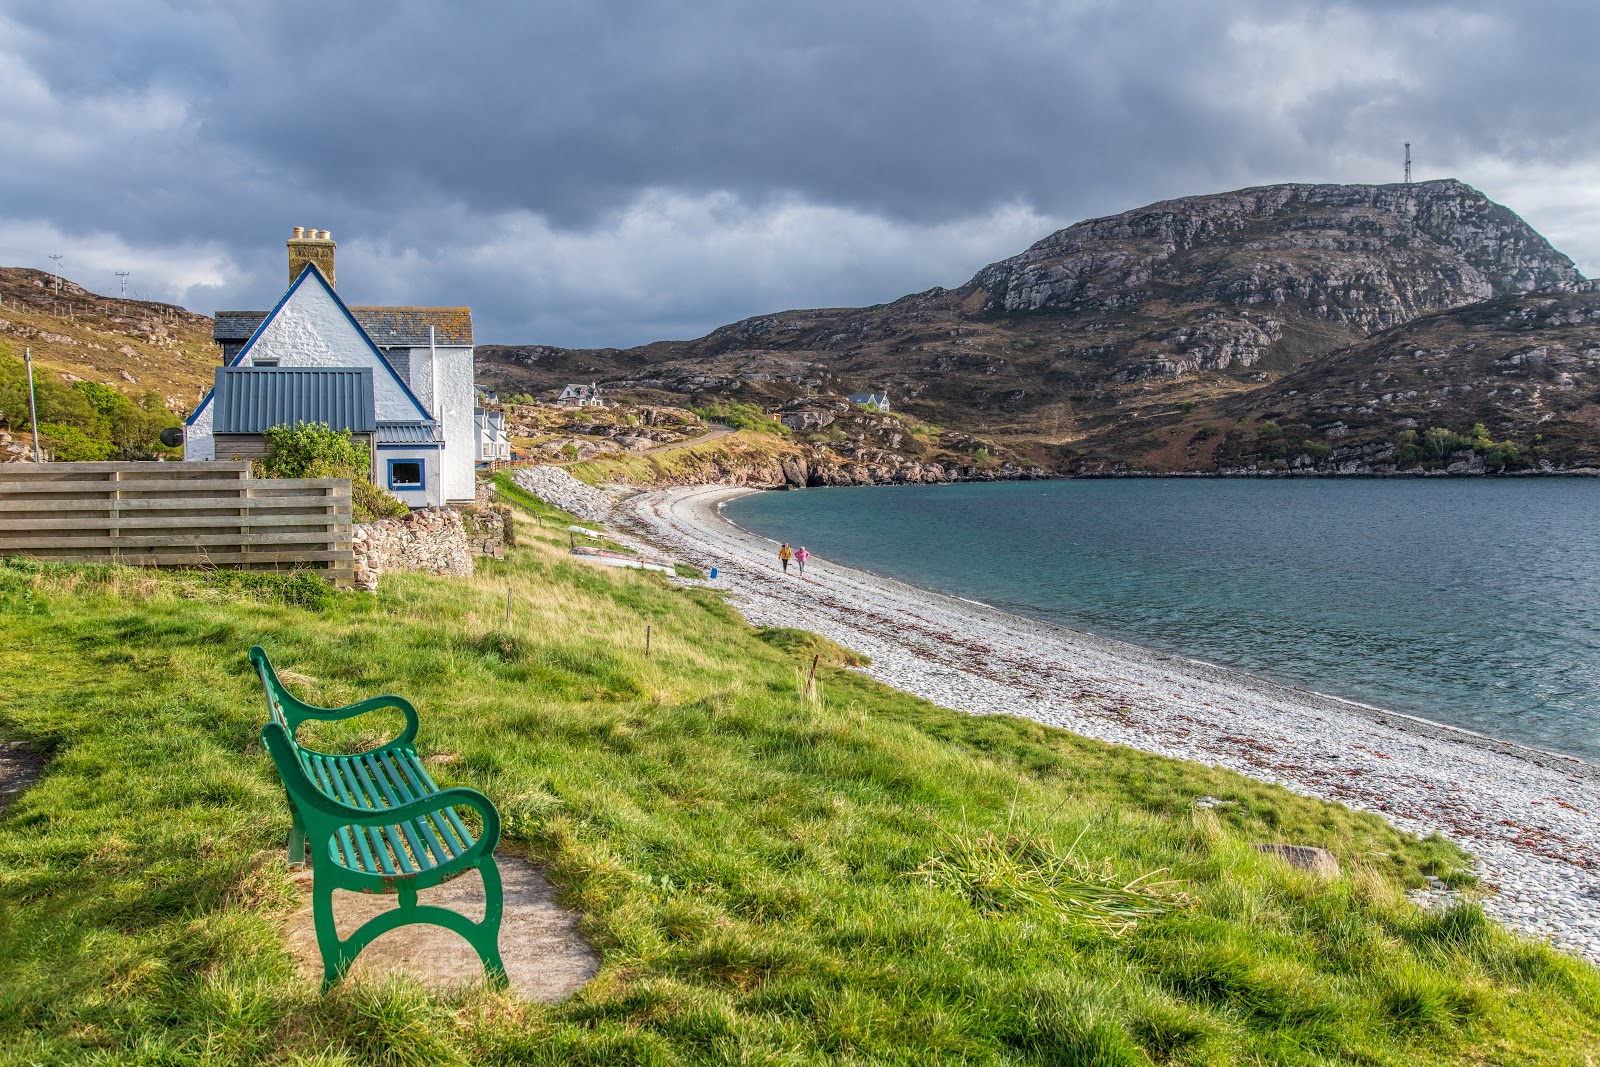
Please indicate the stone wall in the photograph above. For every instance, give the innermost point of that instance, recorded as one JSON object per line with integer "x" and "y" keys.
{"x": 489, "y": 529}
{"x": 431, "y": 539}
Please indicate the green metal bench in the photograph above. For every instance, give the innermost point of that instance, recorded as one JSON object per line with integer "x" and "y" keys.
{"x": 377, "y": 823}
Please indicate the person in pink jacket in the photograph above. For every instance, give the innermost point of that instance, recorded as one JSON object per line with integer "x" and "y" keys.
{"x": 800, "y": 557}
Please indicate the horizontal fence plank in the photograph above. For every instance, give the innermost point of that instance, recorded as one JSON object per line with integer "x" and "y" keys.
{"x": 20, "y": 487}
{"x": 145, "y": 521}
{"x": 197, "y": 559}
{"x": 172, "y": 503}
{"x": 154, "y": 468}
{"x": 113, "y": 541}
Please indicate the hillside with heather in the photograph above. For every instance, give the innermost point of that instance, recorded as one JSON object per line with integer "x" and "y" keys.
{"x": 1505, "y": 383}
{"x": 1080, "y": 344}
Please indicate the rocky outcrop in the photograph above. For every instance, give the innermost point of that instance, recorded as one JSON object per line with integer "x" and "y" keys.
{"x": 434, "y": 540}
{"x": 1525, "y": 368}
{"x": 1371, "y": 256}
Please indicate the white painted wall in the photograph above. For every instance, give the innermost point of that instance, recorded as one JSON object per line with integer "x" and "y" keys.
{"x": 457, "y": 398}
{"x": 432, "y": 491}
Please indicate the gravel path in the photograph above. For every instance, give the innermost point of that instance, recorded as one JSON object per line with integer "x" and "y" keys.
{"x": 1532, "y": 818}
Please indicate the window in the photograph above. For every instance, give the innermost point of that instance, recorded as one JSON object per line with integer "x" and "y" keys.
{"x": 405, "y": 474}
{"x": 264, "y": 362}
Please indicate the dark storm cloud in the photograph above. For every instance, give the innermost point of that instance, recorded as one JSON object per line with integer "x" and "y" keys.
{"x": 557, "y": 165}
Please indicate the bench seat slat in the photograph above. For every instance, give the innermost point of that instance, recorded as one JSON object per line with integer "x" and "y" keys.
{"x": 350, "y": 771}
{"x": 369, "y": 773}
{"x": 344, "y": 844}
{"x": 400, "y": 791}
{"x": 362, "y": 853}
{"x": 408, "y": 769}
{"x": 450, "y": 813}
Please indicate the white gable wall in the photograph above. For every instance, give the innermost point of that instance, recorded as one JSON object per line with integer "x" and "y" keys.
{"x": 457, "y": 398}
{"x": 311, "y": 330}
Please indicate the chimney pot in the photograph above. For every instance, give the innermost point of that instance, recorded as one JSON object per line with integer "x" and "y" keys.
{"x": 299, "y": 232}
{"x": 323, "y": 234}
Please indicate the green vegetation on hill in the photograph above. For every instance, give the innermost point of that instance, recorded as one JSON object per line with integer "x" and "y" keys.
{"x": 770, "y": 878}
{"x": 741, "y": 417}
{"x": 83, "y": 421}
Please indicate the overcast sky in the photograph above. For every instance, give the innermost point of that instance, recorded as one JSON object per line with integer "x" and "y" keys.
{"x": 610, "y": 172}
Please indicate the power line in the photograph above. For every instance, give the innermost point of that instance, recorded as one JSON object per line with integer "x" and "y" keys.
{"x": 56, "y": 273}
{"x": 122, "y": 276}
{"x": 1408, "y": 162}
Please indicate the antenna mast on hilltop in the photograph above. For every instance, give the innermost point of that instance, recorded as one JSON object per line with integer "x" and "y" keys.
{"x": 122, "y": 276}
{"x": 1408, "y": 162}
{"x": 57, "y": 274}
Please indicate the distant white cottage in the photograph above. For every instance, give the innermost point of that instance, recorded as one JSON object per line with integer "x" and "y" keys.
{"x": 418, "y": 364}
{"x": 582, "y": 396}
{"x": 878, "y": 401}
{"x": 493, "y": 444}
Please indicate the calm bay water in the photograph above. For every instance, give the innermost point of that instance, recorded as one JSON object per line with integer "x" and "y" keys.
{"x": 1471, "y": 602}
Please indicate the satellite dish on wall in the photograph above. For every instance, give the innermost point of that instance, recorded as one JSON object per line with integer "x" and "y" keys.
{"x": 172, "y": 436}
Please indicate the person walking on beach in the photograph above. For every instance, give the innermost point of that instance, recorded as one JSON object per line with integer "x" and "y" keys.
{"x": 800, "y": 557}
{"x": 785, "y": 553}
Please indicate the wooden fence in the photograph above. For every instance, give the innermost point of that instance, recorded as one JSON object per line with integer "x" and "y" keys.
{"x": 176, "y": 515}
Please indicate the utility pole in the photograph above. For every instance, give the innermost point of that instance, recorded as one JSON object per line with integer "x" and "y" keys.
{"x": 33, "y": 408}
{"x": 56, "y": 273}
{"x": 1408, "y": 162}
{"x": 122, "y": 276}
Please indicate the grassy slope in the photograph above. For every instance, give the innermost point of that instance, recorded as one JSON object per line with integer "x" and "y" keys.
{"x": 98, "y": 338}
{"x": 735, "y": 455}
{"x": 742, "y": 855}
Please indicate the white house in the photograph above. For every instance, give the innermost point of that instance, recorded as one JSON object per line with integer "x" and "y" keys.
{"x": 583, "y": 396}
{"x": 493, "y": 444}
{"x": 422, "y": 372}
{"x": 878, "y": 401}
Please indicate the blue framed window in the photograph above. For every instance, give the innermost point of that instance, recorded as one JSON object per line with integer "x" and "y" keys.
{"x": 407, "y": 474}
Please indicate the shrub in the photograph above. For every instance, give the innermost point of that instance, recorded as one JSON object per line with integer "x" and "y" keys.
{"x": 1316, "y": 449}
{"x": 1187, "y": 406}
{"x": 315, "y": 450}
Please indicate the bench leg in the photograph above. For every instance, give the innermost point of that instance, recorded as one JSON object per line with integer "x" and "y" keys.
{"x": 484, "y": 937}
{"x": 335, "y": 961}
{"x": 297, "y": 842}
{"x": 486, "y": 934}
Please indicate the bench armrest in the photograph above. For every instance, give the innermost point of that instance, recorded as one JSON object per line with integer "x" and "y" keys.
{"x": 293, "y": 711}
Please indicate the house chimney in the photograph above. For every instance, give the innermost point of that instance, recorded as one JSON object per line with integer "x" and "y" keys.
{"x": 311, "y": 246}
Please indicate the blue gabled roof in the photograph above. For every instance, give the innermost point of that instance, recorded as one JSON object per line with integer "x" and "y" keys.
{"x": 311, "y": 271}
{"x": 254, "y": 399}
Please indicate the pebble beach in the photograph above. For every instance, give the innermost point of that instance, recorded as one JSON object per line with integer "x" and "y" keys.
{"x": 1531, "y": 818}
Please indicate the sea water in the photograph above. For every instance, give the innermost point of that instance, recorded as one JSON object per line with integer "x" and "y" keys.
{"x": 1474, "y": 602}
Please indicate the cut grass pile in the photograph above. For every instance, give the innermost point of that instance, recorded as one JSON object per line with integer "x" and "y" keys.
{"x": 770, "y": 879}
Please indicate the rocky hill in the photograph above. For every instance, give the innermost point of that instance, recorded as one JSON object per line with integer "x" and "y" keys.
{"x": 1111, "y": 322}
{"x": 1511, "y": 382}
{"x": 133, "y": 346}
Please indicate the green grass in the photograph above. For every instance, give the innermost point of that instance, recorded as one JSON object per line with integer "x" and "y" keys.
{"x": 705, "y": 461}
{"x": 741, "y": 417}
{"x": 769, "y": 879}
